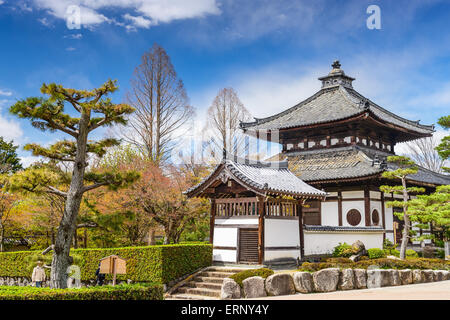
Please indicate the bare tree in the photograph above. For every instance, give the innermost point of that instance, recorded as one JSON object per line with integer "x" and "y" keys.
{"x": 422, "y": 151}
{"x": 224, "y": 116}
{"x": 161, "y": 103}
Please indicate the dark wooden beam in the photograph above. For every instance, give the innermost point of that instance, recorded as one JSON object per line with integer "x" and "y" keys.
{"x": 261, "y": 230}
{"x": 367, "y": 205}
{"x": 340, "y": 207}
{"x": 383, "y": 215}
{"x": 300, "y": 229}
{"x": 212, "y": 220}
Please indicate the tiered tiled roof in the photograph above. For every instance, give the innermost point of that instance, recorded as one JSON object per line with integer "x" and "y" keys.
{"x": 353, "y": 162}
{"x": 261, "y": 177}
{"x": 337, "y": 100}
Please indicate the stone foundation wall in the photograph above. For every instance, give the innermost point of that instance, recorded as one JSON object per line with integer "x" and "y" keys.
{"x": 327, "y": 280}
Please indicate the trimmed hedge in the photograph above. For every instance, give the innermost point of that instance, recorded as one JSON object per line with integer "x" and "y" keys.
{"x": 121, "y": 292}
{"x": 158, "y": 264}
{"x": 383, "y": 263}
{"x": 242, "y": 275}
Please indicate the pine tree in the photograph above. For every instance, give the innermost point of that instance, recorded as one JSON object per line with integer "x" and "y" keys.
{"x": 93, "y": 110}
{"x": 405, "y": 167}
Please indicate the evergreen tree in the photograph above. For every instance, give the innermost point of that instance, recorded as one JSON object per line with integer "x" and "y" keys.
{"x": 9, "y": 161}
{"x": 93, "y": 110}
{"x": 405, "y": 167}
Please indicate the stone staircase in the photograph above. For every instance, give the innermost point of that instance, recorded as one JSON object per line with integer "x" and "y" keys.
{"x": 204, "y": 285}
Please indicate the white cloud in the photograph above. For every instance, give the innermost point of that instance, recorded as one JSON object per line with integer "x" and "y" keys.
{"x": 1, "y": 2}
{"x": 75, "y": 36}
{"x": 70, "y": 49}
{"x": 5, "y": 93}
{"x": 10, "y": 129}
{"x": 26, "y": 161}
{"x": 137, "y": 22}
{"x": 45, "y": 22}
{"x": 152, "y": 11}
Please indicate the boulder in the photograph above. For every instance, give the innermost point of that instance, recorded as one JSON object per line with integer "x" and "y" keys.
{"x": 377, "y": 278}
{"x": 346, "y": 280}
{"x": 360, "y": 278}
{"x": 280, "y": 284}
{"x": 438, "y": 275}
{"x": 394, "y": 277}
{"x": 446, "y": 274}
{"x": 230, "y": 289}
{"x": 359, "y": 250}
{"x": 393, "y": 258}
{"x": 326, "y": 280}
{"x": 358, "y": 247}
{"x": 406, "y": 276}
{"x": 417, "y": 276}
{"x": 2, "y": 282}
{"x": 428, "y": 275}
{"x": 303, "y": 282}
{"x": 254, "y": 287}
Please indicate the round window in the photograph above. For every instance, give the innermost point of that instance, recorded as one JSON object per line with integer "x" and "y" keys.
{"x": 375, "y": 217}
{"x": 353, "y": 217}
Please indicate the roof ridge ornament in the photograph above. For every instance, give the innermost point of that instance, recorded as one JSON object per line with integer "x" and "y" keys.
{"x": 336, "y": 77}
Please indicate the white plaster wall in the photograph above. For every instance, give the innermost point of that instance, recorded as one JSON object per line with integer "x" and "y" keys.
{"x": 375, "y": 194}
{"x": 388, "y": 212}
{"x": 281, "y": 254}
{"x": 225, "y": 255}
{"x": 225, "y": 237}
{"x": 236, "y": 220}
{"x": 376, "y": 205}
{"x": 352, "y": 194}
{"x": 347, "y": 206}
{"x": 324, "y": 242}
{"x": 330, "y": 216}
{"x": 332, "y": 194}
{"x": 281, "y": 233}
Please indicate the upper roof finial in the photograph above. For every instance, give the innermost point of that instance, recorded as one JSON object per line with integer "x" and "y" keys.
{"x": 336, "y": 64}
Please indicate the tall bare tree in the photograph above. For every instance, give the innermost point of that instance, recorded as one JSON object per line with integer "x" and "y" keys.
{"x": 423, "y": 152}
{"x": 161, "y": 103}
{"x": 224, "y": 115}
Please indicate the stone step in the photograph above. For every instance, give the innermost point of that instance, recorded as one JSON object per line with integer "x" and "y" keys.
{"x": 199, "y": 291}
{"x": 208, "y": 279}
{"x": 226, "y": 269}
{"x": 216, "y": 274}
{"x": 181, "y": 296}
{"x": 206, "y": 285}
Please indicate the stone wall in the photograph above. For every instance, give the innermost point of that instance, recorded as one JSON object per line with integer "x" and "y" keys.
{"x": 328, "y": 280}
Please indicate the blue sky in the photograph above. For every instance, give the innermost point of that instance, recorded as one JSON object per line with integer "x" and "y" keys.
{"x": 271, "y": 52}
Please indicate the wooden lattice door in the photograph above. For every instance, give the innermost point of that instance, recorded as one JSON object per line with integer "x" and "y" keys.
{"x": 248, "y": 245}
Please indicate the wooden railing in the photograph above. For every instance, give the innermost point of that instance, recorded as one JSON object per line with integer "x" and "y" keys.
{"x": 237, "y": 207}
{"x": 249, "y": 207}
{"x": 280, "y": 207}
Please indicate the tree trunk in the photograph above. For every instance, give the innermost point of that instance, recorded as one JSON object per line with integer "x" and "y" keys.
{"x": 447, "y": 249}
{"x": 2, "y": 234}
{"x": 151, "y": 237}
{"x": 67, "y": 226}
{"x": 405, "y": 234}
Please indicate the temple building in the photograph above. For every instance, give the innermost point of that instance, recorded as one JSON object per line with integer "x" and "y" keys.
{"x": 335, "y": 141}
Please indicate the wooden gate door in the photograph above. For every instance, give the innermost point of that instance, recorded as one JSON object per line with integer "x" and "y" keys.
{"x": 248, "y": 245}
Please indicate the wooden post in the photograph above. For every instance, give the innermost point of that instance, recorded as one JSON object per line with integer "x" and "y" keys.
{"x": 114, "y": 267}
{"x": 261, "y": 230}
{"x": 340, "y": 208}
{"x": 300, "y": 229}
{"x": 212, "y": 220}
{"x": 383, "y": 216}
{"x": 367, "y": 206}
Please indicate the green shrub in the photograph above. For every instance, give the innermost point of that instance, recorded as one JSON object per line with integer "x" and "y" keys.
{"x": 342, "y": 250}
{"x": 388, "y": 245}
{"x": 439, "y": 243}
{"x": 120, "y": 292}
{"x": 383, "y": 263}
{"x": 410, "y": 253}
{"x": 375, "y": 253}
{"x": 158, "y": 264}
{"x": 241, "y": 276}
